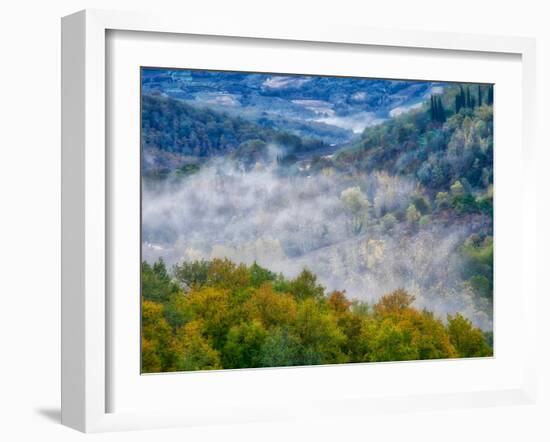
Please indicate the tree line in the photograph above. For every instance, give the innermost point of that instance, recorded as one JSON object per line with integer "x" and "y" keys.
{"x": 217, "y": 314}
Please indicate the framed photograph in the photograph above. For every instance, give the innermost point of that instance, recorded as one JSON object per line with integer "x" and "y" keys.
{"x": 262, "y": 222}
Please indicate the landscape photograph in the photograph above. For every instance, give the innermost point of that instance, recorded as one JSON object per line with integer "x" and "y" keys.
{"x": 302, "y": 220}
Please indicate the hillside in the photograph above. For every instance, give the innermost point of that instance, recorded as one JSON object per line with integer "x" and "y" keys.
{"x": 408, "y": 204}
{"x": 177, "y": 137}
{"x": 333, "y": 109}
{"x": 435, "y": 146}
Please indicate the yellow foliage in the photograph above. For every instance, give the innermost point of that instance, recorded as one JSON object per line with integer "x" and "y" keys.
{"x": 269, "y": 307}
{"x": 248, "y": 317}
{"x": 226, "y": 274}
{"x": 192, "y": 350}
{"x": 394, "y": 302}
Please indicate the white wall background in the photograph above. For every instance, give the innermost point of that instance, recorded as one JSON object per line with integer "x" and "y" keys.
{"x": 30, "y": 216}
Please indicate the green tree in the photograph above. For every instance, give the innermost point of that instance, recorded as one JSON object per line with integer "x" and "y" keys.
{"x": 243, "y": 347}
{"x": 193, "y": 351}
{"x": 260, "y": 275}
{"x": 305, "y": 286}
{"x": 422, "y": 204}
{"x": 193, "y": 273}
{"x": 457, "y": 190}
{"x": 156, "y": 283}
{"x": 280, "y": 349}
{"x": 442, "y": 201}
{"x": 388, "y": 221}
{"x": 388, "y": 342}
{"x": 319, "y": 336}
{"x": 468, "y": 340}
{"x": 479, "y": 95}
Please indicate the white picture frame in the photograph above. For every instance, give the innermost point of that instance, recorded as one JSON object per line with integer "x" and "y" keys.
{"x": 86, "y": 206}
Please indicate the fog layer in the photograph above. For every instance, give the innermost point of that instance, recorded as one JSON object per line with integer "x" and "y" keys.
{"x": 286, "y": 223}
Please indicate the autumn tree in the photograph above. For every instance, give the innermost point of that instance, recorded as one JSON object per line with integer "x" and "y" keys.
{"x": 212, "y": 306}
{"x": 225, "y": 274}
{"x": 156, "y": 339}
{"x": 394, "y": 302}
{"x": 269, "y": 307}
{"x": 238, "y": 316}
{"x": 192, "y": 350}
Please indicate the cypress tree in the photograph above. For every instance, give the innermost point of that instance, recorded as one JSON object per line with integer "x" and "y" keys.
{"x": 437, "y": 112}
{"x": 441, "y": 111}
{"x": 460, "y": 99}
{"x": 479, "y": 95}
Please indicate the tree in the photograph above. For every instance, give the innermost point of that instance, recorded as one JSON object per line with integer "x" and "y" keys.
{"x": 356, "y": 205}
{"x": 457, "y": 190}
{"x": 468, "y": 340}
{"x": 279, "y": 349}
{"x": 469, "y": 98}
{"x": 260, "y": 275}
{"x": 394, "y": 302}
{"x": 156, "y": 339}
{"x": 388, "y": 221}
{"x": 404, "y": 333}
{"x": 194, "y": 273}
{"x": 271, "y": 308}
{"x": 422, "y": 204}
{"x": 479, "y": 96}
{"x": 412, "y": 214}
{"x": 243, "y": 347}
{"x": 228, "y": 321}
{"x": 227, "y": 275}
{"x": 156, "y": 283}
{"x": 338, "y": 302}
{"x": 460, "y": 99}
{"x": 442, "y": 200}
{"x": 319, "y": 336}
{"x": 437, "y": 111}
{"x": 424, "y": 220}
{"x": 477, "y": 265}
{"x": 193, "y": 351}
{"x": 305, "y": 286}
{"x": 212, "y": 306}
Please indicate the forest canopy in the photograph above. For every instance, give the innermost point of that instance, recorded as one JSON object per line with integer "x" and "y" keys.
{"x": 207, "y": 315}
